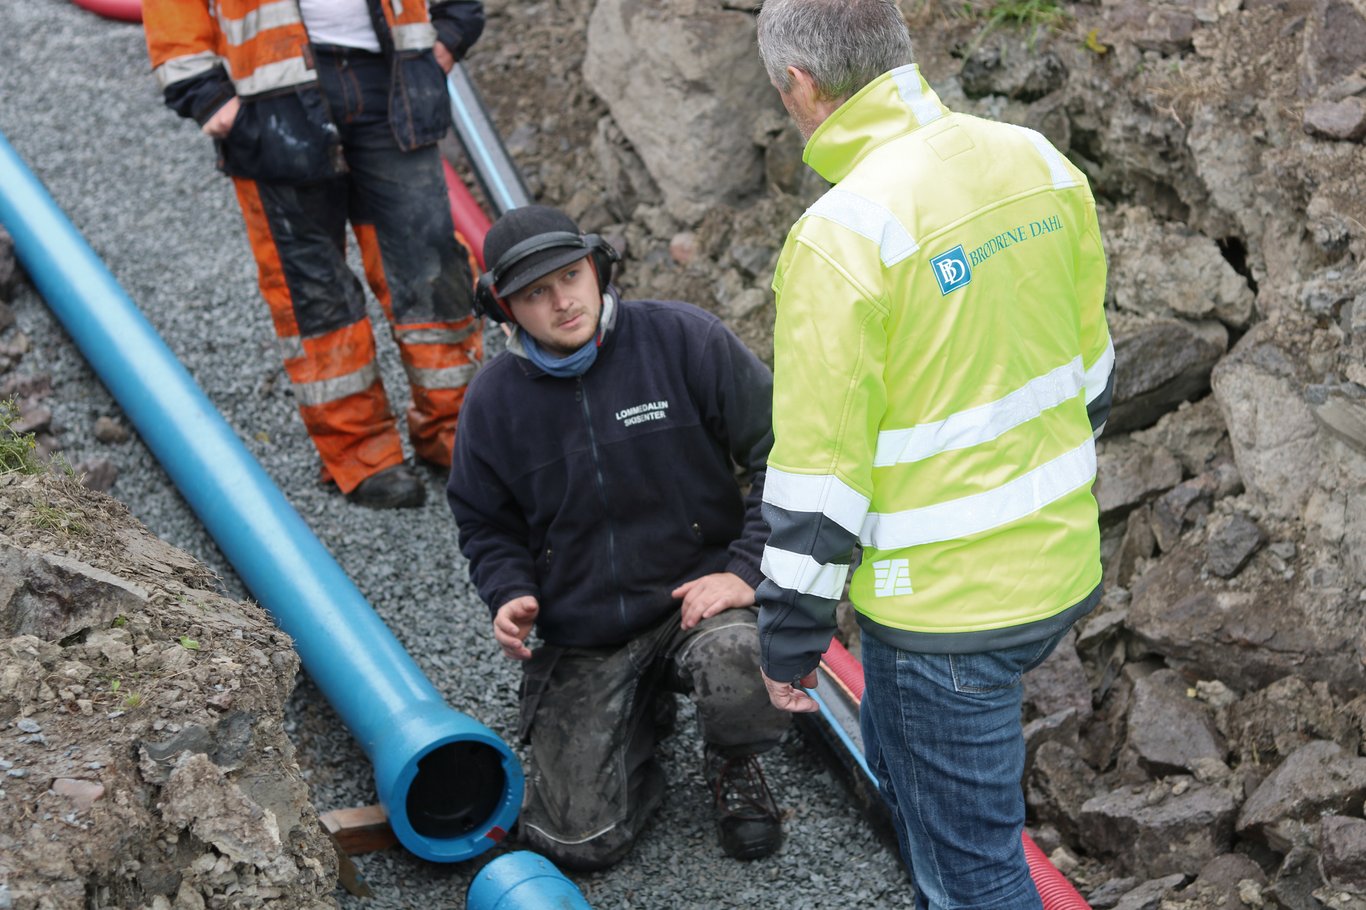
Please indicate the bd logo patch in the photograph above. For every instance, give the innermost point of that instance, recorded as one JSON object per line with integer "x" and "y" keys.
{"x": 951, "y": 269}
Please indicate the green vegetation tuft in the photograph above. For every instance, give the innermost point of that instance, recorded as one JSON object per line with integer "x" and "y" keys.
{"x": 18, "y": 451}
{"x": 1025, "y": 13}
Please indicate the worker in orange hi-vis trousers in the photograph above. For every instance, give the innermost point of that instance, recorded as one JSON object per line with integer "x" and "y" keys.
{"x": 324, "y": 113}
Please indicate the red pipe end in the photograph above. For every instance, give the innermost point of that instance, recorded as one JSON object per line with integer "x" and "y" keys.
{"x": 123, "y": 10}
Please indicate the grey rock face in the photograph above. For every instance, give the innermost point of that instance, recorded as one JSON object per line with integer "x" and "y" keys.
{"x": 1230, "y": 542}
{"x": 1128, "y": 475}
{"x": 1170, "y": 732}
{"x": 53, "y": 596}
{"x": 1318, "y": 778}
{"x": 1343, "y": 853}
{"x": 1163, "y": 829}
{"x": 1246, "y": 638}
{"x": 1343, "y": 120}
{"x": 1259, "y": 388}
{"x": 1159, "y": 363}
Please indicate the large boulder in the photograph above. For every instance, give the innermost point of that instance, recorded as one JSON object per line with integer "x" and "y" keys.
{"x": 1260, "y": 388}
{"x": 678, "y": 77}
{"x": 1251, "y": 632}
{"x": 1176, "y": 826}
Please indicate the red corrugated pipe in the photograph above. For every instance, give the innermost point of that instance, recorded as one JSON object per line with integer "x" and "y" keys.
{"x": 124, "y": 10}
{"x": 470, "y": 220}
{"x": 1054, "y": 888}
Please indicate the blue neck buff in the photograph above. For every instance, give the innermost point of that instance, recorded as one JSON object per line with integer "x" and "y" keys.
{"x": 577, "y": 363}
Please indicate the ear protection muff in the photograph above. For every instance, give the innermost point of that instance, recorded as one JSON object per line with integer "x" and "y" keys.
{"x": 487, "y": 303}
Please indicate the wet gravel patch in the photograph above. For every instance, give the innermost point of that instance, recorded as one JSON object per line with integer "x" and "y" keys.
{"x": 78, "y": 102}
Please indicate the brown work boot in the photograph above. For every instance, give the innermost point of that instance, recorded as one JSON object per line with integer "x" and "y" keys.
{"x": 747, "y": 819}
{"x": 393, "y": 488}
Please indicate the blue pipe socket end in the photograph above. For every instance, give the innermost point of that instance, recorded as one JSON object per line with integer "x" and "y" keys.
{"x": 451, "y": 788}
{"x": 449, "y": 785}
{"x": 523, "y": 881}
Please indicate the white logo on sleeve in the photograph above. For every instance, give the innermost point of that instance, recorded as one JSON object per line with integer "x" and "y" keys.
{"x": 892, "y": 577}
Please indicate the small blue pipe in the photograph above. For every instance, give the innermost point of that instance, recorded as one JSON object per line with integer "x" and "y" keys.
{"x": 523, "y": 881}
{"x": 493, "y": 167}
{"x": 450, "y": 786}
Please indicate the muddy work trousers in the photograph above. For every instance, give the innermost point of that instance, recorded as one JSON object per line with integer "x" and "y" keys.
{"x": 592, "y": 717}
{"x": 396, "y": 204}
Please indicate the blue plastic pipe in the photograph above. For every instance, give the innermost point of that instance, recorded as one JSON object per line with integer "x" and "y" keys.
{"x": 523, "y": 881}
{"x": 450, "y": 786}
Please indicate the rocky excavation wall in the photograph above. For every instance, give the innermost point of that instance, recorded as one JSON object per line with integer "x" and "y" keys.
{"x": 1199, "y": 741}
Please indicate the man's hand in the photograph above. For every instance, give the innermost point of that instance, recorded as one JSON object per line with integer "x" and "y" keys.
{"x": 787, "y": 697}
{"x": 512, "y": 624}
{"x": 711, "y": 594}
{"x": 221, "y": 122}
{"x": 444, "y": 58}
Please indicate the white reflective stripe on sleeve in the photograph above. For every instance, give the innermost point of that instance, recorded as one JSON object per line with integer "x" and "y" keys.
{"x": 982, "y": 423}
{"x": 416, "y": 37}
{"x": 968, "y": 515}
{"x": 1098, "y": 374}
{"x": 867, "y": 219}
{"x": 825, "y": 494}
{"x": 1057, "y": 167}
{"x": 795, "y": 572}
{"x": 178, "y": 69}
{"x": 311, "y": 394}
{"x": 907, "y": 79}
{"x": 263, "y": 18}
{"x": 274, "y": 76}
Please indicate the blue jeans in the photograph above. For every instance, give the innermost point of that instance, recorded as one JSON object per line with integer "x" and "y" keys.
{"x": 942, "y": 734}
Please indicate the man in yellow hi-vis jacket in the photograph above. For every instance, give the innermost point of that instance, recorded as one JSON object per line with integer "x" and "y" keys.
{"x": 941, "y": 366}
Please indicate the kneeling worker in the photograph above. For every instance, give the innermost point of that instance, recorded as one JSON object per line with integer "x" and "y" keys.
{"x": 594, "y": 486}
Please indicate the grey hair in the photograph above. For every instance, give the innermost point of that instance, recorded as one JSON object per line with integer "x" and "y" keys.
{"x": 841, "y": 44}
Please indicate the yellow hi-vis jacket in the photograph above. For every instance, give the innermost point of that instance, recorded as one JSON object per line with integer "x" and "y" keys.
{"x": 941, "y": 365}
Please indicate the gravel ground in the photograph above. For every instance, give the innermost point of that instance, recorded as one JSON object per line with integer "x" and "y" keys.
{"x": 78, "y": 103}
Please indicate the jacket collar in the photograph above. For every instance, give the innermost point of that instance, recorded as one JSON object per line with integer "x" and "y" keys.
{"x": 892, "y": 105}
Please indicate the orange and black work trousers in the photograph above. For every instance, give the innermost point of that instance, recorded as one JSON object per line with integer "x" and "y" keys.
{"x": 396, "y": 204}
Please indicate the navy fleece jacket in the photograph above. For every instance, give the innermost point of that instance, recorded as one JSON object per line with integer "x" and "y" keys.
{"x": 601, "y": 494}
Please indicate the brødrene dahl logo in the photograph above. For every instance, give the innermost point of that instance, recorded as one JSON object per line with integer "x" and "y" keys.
{"x": 951, "y": 269}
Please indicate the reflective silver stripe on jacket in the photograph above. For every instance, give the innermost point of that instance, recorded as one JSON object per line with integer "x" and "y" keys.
{"x": 274, "y": 76}
{"x": 444, "y": 378}
{"x": 265, "y": 17}
{"x": 1098, "y": 373}
{"x": 800, "y": 573}
{"x": 430, "y": 335}
{"x": 823, "y": 494}
{"x": 311, "y": 394}
{"x": 980, "y": 512}
{"x": 416, "y": 37}
{"x": 180, "y": 68}
{"x": 983, "y": 423}
{"x": 1057, "y": 166}
{"x": 867, "y": 219}
{"x": 907, "y": 79}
